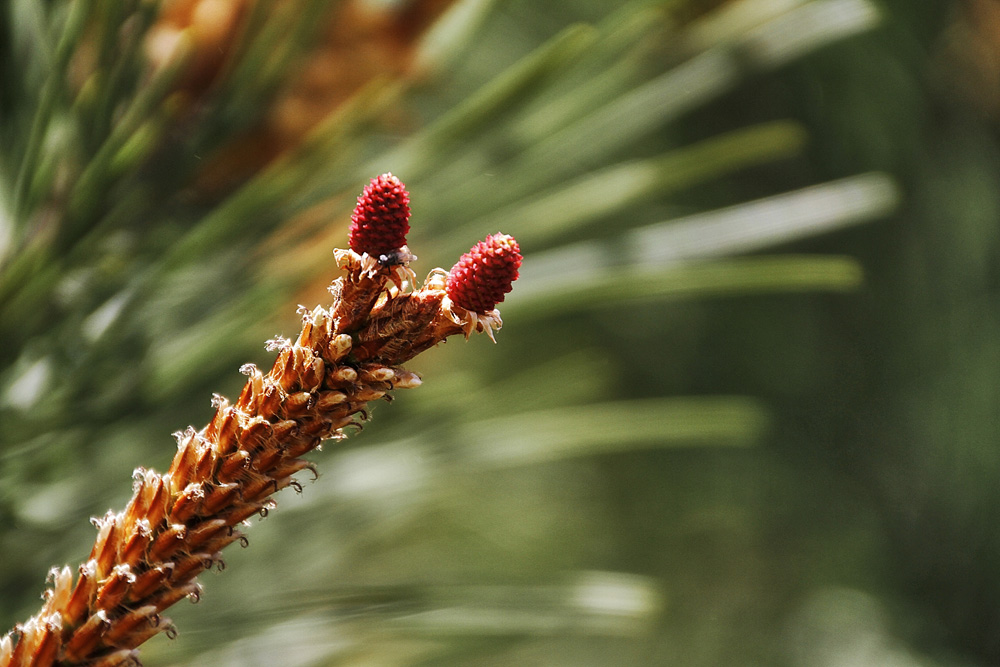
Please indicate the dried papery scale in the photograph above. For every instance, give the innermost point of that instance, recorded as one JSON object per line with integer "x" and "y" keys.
{"x": 147, "y": 557}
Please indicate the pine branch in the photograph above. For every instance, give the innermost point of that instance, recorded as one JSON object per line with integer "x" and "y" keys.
{"x": 148, "y": 556}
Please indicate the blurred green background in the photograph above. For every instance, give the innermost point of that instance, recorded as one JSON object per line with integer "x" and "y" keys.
{"x": 744, "y": 406}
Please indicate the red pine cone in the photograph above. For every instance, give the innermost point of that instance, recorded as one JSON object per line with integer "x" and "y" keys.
{"x": 382, "y": 217}
{"x": 482, "y": 276}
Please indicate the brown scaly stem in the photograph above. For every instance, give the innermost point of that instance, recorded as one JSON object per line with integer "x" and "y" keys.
{"x": 148, "y": 556}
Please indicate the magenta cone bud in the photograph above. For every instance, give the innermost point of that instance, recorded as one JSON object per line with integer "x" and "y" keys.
{"x": 481, "y": 278}
{"x": 382, "y": 217}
